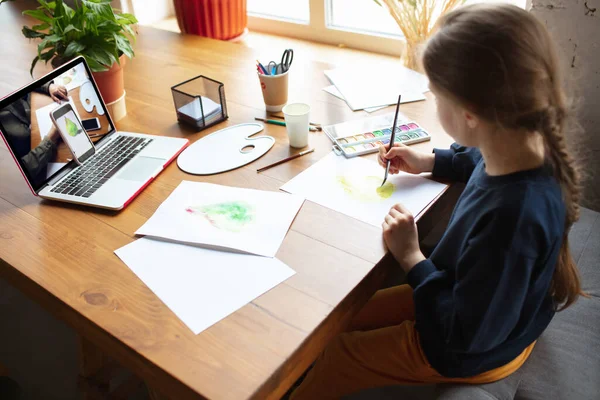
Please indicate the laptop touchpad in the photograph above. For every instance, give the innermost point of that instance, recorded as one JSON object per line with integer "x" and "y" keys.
{"x": 141, "y": 168}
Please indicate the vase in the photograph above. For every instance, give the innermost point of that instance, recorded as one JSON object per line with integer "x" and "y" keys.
{"x": 217, "y": 19}
{"x": 411, "y": 57}
{"x": 111, "y": 85}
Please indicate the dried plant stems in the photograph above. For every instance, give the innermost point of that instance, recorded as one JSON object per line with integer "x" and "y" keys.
{"x": 416, "y": 19}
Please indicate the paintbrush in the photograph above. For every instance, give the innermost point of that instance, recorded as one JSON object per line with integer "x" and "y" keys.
{"x": 392, "y": 138}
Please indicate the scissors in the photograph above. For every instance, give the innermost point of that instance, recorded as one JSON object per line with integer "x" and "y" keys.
{"x": 286, "y": 60}
{"x": 272, "y": 68}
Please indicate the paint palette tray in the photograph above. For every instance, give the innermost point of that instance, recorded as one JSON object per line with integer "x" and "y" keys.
{"x": 374, "y": 132}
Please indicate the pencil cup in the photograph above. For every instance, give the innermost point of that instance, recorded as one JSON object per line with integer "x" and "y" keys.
{"x": 274, "y": 90}
{"x": 297, "y": 124}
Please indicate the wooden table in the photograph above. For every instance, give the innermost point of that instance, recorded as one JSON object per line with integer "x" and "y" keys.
{"x": 62, "y": 255}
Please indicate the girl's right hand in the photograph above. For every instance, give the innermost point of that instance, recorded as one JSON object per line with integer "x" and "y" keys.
{"x": 404, "y": 158}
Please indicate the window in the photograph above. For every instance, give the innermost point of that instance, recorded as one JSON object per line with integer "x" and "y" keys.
{"x": 362, "y": 16}
{"x": 353, "y": 23}
{"x": 295, "y": 10}
{"x": 327, "y": 21}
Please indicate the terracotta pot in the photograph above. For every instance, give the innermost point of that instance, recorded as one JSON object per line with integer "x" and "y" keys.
{"x": 111, "y": 83}
{"x": 218, "y": 19}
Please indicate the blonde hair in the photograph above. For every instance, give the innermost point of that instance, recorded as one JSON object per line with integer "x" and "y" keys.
{"x": 499, "y": 61}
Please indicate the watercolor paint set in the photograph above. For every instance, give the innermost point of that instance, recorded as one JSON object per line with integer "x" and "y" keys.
{"x": 355, "y": 138}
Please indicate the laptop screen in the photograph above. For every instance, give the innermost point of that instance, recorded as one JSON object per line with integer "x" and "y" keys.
{"x": 28, "y": 128}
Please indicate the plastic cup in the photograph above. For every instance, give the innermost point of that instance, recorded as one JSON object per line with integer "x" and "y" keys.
{"x": 297, "y": 123}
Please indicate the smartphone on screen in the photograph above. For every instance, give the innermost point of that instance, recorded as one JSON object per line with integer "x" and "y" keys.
{"x": 72, "y": 132}
{"x": 92, "y": 124}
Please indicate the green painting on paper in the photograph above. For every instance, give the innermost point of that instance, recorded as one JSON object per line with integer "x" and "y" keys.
{"x": 366, "y": 189}
{"x": 72, "y": 127}
{"x": 232, "y": 216}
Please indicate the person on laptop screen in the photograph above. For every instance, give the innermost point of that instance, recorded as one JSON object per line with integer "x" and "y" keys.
{"x": 16, "y": 120}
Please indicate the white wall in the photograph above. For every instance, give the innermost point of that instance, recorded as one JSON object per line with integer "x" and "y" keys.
{"x": 575, "y": 27}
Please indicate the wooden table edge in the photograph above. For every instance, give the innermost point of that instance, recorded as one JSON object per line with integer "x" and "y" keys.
{"x": 109, "y": 344}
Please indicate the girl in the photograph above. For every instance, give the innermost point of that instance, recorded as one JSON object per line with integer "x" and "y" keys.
{"x": 473, "y": 310}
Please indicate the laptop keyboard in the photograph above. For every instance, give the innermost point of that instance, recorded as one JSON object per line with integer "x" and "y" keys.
{"x": 84, "y": 180}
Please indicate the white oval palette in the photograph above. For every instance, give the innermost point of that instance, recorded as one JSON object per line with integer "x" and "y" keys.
{"x": 225, "y": 150}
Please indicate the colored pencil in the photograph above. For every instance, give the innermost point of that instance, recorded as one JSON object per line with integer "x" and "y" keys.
{"x": 281, "y": 123}
{"x": 264, "y": 70}
{"x": 270, "y": 121}
{"x": 317, "y": 126}
{"x": 285, "y": 160}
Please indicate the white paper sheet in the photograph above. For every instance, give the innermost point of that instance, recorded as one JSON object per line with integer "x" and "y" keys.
{"x": 43, "y": 116}
{"x": 252, "y": 221}
{"x": 192, "y": 109}
{"x": 335, "y": 92}
{"x": 365, "y": 87}
{"x": 350, "y": 186}
{"x": 201, "y": 286}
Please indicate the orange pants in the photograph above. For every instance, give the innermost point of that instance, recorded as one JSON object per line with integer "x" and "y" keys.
{"x": 382, "y": 348}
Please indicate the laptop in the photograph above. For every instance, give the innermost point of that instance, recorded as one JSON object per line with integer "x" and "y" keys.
{"x": 110, "y": 177}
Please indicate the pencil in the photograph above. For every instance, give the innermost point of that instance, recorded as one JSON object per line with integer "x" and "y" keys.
{"x": 318, "y": 126}
{"x": 285, "y": 160}
{"x": 270, "y": 121}
{"x": 281, "y": 123}
{"x": 264, "y": 70}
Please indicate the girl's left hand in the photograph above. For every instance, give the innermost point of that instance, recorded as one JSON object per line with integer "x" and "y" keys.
{"x": 401, "y": 237}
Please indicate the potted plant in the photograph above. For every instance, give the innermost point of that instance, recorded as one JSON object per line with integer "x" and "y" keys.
{"x": 91, "y": 29}
{"x": 417, "y": 21}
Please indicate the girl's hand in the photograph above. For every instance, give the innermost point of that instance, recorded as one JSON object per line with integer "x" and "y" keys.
{"x": 401, "y": 237}
{"x": 404, "y": 158}
{"x": 58, "y": 93}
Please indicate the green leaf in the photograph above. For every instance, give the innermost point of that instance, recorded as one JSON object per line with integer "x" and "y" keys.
{"x": 43, "y": 45}
{"x": 40, "y": 27}
{"x": 54, "y": 38}
{"x": 48, "y": 41}
{"x": 102, "y": 56}
{"x": 70, "y": 28}
{"x": 47, "y": 56}
{"x": 47, "y": 5}
{"x": 125, "y": 18}
{"x": 94, "y": 65}
{"x": 35, "y": 60}
{"x": 101, "y": 8}
{"x": 108, "y": 28}
{"x": 130, "y": 31}
{"x": 123, "y": 45}
{"x": 73, "y": 48}
{"x": 31, "y": 34}
{"x": 39, "y": 15}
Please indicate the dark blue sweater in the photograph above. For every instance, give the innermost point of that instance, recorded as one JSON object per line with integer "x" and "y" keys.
{"x": 483, "y": 295}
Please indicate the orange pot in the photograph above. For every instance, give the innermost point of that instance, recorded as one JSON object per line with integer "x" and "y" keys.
{"x": 218, "y": 19}
{"x": 111, "y": 83}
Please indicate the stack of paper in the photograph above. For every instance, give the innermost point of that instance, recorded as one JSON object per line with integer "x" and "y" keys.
{"x": 372, "y": 89}
{"x": 192, "y": 111}
{"x": 210, "y": 249}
